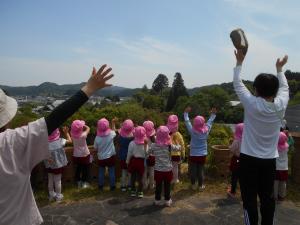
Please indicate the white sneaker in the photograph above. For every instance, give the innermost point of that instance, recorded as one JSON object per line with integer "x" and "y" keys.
{"x": 177, "y": 181}
{"x": 52, "y": 196}
{"x": 85, "y": 185}
{"x": 202, "y": 187}
{"x": 157, "y": 202}
{"x": 169, "y": 203}
{"x": 79, "y": 184}
{"x": 59, "y": 197}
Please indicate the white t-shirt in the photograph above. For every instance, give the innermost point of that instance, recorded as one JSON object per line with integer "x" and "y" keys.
{"x": 80, "y": 148}
{"x": 261, "y": 118}
{"x": 20, "y": 150}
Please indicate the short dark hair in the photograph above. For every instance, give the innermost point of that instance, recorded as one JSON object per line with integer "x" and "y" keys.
{"x": 266, "y": 85}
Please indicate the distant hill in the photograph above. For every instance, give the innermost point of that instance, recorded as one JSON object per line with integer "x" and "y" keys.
{"x": 53, "y": 89}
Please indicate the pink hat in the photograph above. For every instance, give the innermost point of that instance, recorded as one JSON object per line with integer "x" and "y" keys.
{"x": 282, "y": 142}
{"x": 127, "y": 128}
{"x": 172, "y": 123}
{"x": 54, "y": 136}
{"x": 77, "y": 128}
{"x": 163, "y": 136}
{"x": 149, "y": 126}
{"x": 238, "y": 131}
{"x": 139, "y": 135}
{"x": 199, "y": 125}
{"x": 103, "y": 127}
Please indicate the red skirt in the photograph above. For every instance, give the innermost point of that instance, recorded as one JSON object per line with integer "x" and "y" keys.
{"x": 282, "y": 175}
{"x": 56, "y": 171}
{"x": 107, "y": 162}
{"x": 151, "y": 160}
{"x": 176, "y": 158}
{"x": 82, "y": 160}
{"x": 123, "y": 165}
{"x": 234, "y": 163}
{"x": 198, "y": 159}
{"x": 160, "y": 176}
{"x": 136, "y": 165}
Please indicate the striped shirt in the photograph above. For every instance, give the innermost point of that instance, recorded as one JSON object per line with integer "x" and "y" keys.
{"x": 163, "y": 156}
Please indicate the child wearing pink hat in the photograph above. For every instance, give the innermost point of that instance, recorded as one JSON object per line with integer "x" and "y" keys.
{"x": 104, "y": 145}
{"x": 199, "y": 132}
{"x": 56, "y": 162}
{"x": 148, "y": 179}
{"x": 81, "y": 152}
{"x": 176, "y": 139}
{"x": 235, "y": 148}
{"x": 163, "y": 174}
{"x": 281, "y": 168}
{"x": 124, "y": 138}
{"x": 137, "y": 151}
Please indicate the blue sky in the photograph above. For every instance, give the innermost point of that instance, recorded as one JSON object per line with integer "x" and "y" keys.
{"x": 60, "y": 41}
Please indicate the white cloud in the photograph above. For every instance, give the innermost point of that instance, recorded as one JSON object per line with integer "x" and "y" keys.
{"x": 155, "y": 52}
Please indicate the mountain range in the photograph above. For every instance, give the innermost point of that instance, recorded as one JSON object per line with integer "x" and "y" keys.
{"x": 53, "y": 89}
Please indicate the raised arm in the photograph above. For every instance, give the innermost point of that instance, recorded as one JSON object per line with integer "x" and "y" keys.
{"x": 241, "y": 90}
{"x": 283, "y": 91}
{"x": 113, "y": 124}
{"x": 67, "y": 135}
{"x": 86, "y": 130}
{"x": 61, "y": 113}
{"x": 187, "y": 119}
{"x": 211, "y": 118}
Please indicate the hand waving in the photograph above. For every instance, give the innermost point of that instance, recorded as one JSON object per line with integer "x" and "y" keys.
{"x": 98, "y": 80}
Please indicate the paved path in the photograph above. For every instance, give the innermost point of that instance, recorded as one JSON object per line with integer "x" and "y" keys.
{"x": 212, "y": 210}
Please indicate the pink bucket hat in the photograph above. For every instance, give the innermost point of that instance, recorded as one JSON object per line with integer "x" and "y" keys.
{"x": 77, "y": 128}
{"x": 54, "y": 136}
{"x": 163, "y": 136}
{"x": 238, "y": 131}
{"x": 127, "y": 128}
{"x": 139, "y": 135}
{"x": 282, "y": 142}
{"x": 149, "y": 126}
{"x": 103, "y": 127}
{"x": 172, "y": 123}
{"x": 199, "y": 125}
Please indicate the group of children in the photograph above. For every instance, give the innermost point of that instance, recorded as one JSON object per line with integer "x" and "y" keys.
{"x": 148, "y": 157}
{"x": 281, "y": 162}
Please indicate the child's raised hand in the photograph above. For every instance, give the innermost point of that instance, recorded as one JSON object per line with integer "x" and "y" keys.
{"x": 281, "y": 62}
{"x": 188, "y": 109}
{"x": 97, "y": 80}
{"x": 213, "y": 110}
{"x": 65, "y": 129}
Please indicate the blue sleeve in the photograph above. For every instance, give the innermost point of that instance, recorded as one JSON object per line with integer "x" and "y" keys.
{"x": 187, "y": 122}
{"x": 210, "y": 121}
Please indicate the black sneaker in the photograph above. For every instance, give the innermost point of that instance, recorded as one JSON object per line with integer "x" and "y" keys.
{"x": 112, "y": 188}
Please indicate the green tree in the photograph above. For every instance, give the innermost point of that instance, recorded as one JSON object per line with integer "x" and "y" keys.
{"x": 178, "y": 89}
{"x": 160, "y": 83}
{"x": 153, "y": 102}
